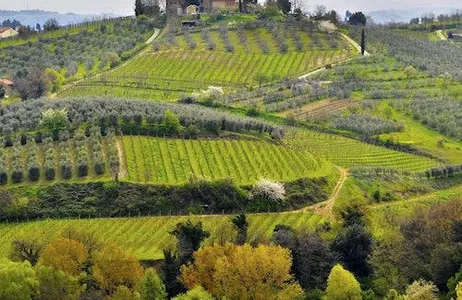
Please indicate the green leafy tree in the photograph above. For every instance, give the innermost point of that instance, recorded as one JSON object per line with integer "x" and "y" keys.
{"x": 17, "y": 280}
{"x": 197, "y": 293}
{"x": 152, "y": 287}
{"x": 171, "y": 124}
{"x": 57, "y": 285}
{"x": 342, "y": 285}
{"x": 54, "y": 119}
{"x": 123, "y": 293}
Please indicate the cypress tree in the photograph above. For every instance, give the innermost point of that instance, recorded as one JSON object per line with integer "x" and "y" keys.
{"x": 363, "y": 42}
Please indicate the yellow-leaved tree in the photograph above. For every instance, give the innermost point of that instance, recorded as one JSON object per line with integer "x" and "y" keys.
{"x": 113, "y": 267}
{"x": 67, "y": 255}
{"x": 342, "y": 285}
{"x": 243, "y": 272}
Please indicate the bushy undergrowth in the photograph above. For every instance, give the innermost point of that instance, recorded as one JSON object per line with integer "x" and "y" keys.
{"x": 124, "y": 199}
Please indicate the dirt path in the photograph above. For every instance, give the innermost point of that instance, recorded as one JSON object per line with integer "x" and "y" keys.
{"x": 441, "y": 35}
{"x": 354, "y": 44}
{"x": 120, "y": 154}
{"x": 349, "y": 40}
{"x": 326, "y": 208}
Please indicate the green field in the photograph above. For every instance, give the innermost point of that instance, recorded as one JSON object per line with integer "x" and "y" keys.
{"x": 145, "y": 237}
{"x": 174, "y": 161}
{"x": 176, "y": 69}
{"x": 351, "y": 153}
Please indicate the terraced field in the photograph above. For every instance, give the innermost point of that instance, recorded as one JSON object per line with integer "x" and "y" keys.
{"x": 320, "y": 110}
{"x": 351, "y": 153}
{"x": 174, "y": 161}
{"x": 184, "y": 64}
{"x": 145, "y": 237}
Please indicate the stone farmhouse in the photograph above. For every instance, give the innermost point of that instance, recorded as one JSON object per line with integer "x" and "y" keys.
{"x": 193, "y": 7}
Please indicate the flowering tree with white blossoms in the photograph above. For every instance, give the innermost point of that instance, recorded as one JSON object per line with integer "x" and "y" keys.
{"x": 266, "y": 189}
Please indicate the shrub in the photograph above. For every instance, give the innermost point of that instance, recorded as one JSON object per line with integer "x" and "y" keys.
{"x": 34, "y": 173}
{"x": 99, "y": 168}
{"x": 50, "y": 174}
{"x": 268, "y": 190}
{"x": 82, "y": 170}
{"x": 17, "y": 176}
{"x": 3, "y": 177}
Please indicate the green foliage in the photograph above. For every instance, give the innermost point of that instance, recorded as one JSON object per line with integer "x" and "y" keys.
{"x": 151, "y": 286}
{"x": 57, "y": 285}
{"x": 171, "y": 124}
{"x": 197, "y": 293}
{"x": 17, "y": 280}
{"x": 354, "y": 245}
{"x": 342, "y": 285}
{"x": 55, "y": 119}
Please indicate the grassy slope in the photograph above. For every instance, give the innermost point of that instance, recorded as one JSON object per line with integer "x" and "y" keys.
{"x": 381, "y": 217}
{"x": 175, "y": 69}
{"x": 145, "y": 237}
{"x": 173, "y": 161}
{"x": 420, "y": 136}
{"x": 350, "y": 153}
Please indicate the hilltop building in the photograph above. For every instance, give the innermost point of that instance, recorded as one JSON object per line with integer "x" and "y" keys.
{"x": 6, "y": 32}
{"x": 192, "y": 7}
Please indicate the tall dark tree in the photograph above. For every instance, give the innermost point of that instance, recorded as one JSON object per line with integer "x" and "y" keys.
{"x": 190, "y": 237}
{"x": 170, "y": 271}
{"x": 139, "y": 8}
{"x": 312, "y": 258}
{"x": 358, "y": 18}
{"x": 285, "y": 6}
{"x": 354, "y": 245}
{"x": 241, "y": 224}
{"x": 2, "y": 91}
{"x": 363, "y": 42}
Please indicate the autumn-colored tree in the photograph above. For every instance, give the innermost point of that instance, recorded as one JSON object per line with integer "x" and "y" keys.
{"x": 242, "y": 272}
{"x": 459, "y": 291}
{"x": 17, "y": 280}
{"x": 67, "y": 255}
{"x": 197, "y": 293}
{"x": 57, "y": 285}
{"x": 113, "y": 267}
{"x": 152, "y": 287}
{"x": 342, "y": 285}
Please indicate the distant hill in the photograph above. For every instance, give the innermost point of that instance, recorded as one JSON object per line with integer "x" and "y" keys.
{"x": 404, "y": 15}
{"x": 32, "y": 17}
